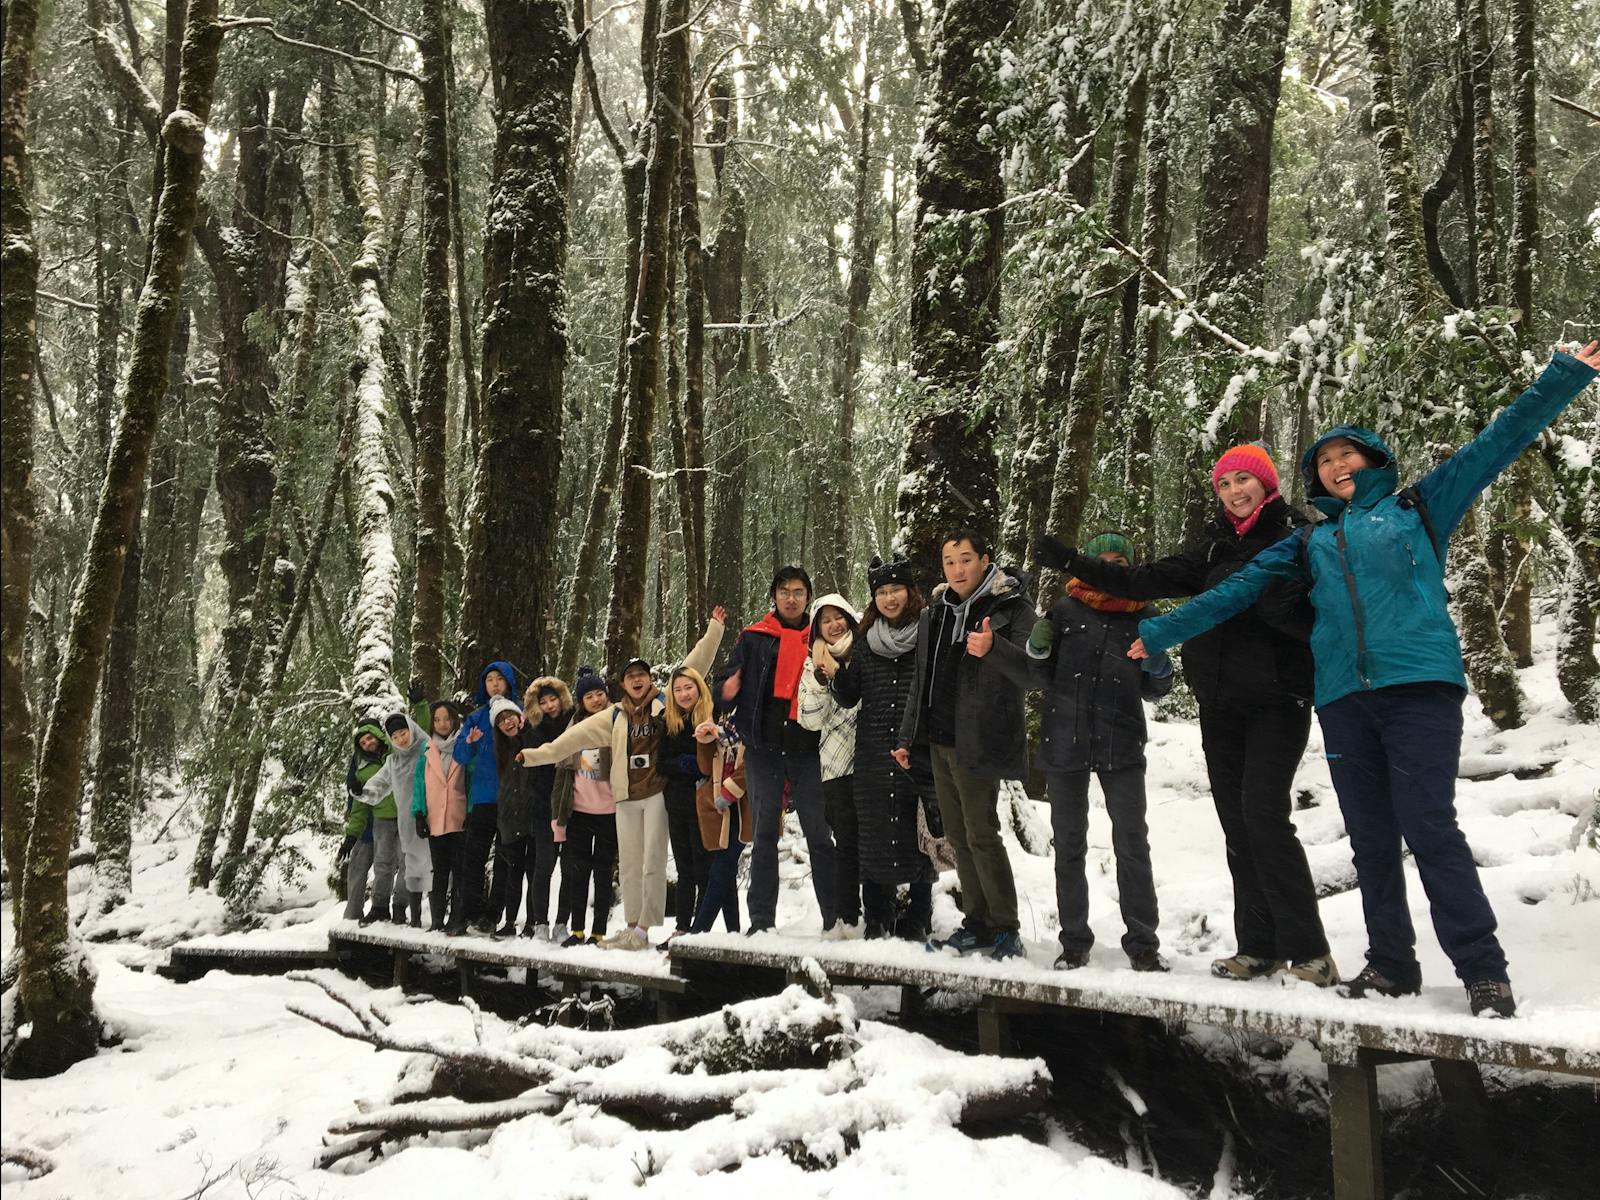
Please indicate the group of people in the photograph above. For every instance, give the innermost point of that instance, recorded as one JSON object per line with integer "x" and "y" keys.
{"x": 889, "y": 730}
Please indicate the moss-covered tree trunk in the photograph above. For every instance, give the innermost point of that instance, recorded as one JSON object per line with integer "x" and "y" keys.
{"x": 630, "y": 546}
{"x": 692, "y": 480}
{"x": 57, "y": 986}
{"x": 1155, "y": 236}
{"x": 512, "y": 520}
{"x": 949, "y": 475}
{"x": 115, "y": 785}
{"x": 433, "y": 367}
{"x": 19, "y": 279}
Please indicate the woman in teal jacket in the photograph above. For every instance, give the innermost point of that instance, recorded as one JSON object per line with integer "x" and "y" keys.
{"x": 1389, "y": 675}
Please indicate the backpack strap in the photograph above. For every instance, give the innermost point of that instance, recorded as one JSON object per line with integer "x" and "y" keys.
{"x": 1410, "y": 497}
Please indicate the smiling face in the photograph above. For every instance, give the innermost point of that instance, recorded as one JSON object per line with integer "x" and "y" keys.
{"x": 891, "y": 600}
{"x": 400, "y": 738}
{"x": 550, "y": 704}
{"x": 1241, "y": 493}
{"x": 1338, "y": 460}
{"x": 595, "y": 701}
{"x": 685, "y": 693}
{"x": 831, "y": 624}
{"x": 509, "y": 723}
{"x": 368, "y": 743}
{"x": 964, "y": 567}
{"x": 636, "y": 682}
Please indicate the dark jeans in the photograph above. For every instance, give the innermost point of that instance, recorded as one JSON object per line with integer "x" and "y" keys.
{"x": 543, "y": 868}
{"x": 689, "y": 859}
{"x": 591, "y": 850}
{"x": 1393, "y": 754}
{"x": 969, "y": 807}
{"x": 443, "y": 849}
{"x": 1251, "y": 756}
{"x": 513, "y": 860}
{"x": 839, "y": 806}
{"x": 766, "y": 771}
{"x": 878, "y": 902}
{"x": 1130, "y": 841}
{"x": 476, "y": 839}
{"x": 721, "y": 894}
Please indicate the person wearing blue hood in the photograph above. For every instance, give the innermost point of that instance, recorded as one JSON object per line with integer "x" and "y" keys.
{"x": 474, "y": 748}
{"x": 1389, "y": 676}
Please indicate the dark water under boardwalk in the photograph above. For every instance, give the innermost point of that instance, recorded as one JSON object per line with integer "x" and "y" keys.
{"x": 1197, "y": 1097}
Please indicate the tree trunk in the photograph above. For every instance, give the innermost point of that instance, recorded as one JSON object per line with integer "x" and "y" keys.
{"x": 433, "y": 371}
{"x": 512, "y": 519}
{"x": 1231, "y": 229}
{"x": 458, "y": 256}
{"x": 692, "y": 488}
{"x": 948, "y": 478}
{"x": 57, "y": 987}
{"x": 115, "y": 784}
{"x": 19, "y": 279}
{"x": 1482, "y": 50}
{"x": 1155, "y": 235}
{"x": 630, "y": 547}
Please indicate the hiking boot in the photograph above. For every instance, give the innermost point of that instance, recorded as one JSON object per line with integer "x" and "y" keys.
{"x": 755, "y": 929}
{"x": 1491, "y": 998}
{"x": 1246, "y": 966}
{"x": 397, "y": 914}
{"x": 576, "y": 938}
{"x": 1071, "y": 960}
{"x": 558, "y": 934}
{"x": 371, "y": 915}
{"x": 1375, "y": 983}
{"x": 456, "y": 928}
{"x": 509, "y": 929}
{"x": 876, "y": 933}
{"x": 1319, "y": 970}
{"x": 1148, "y": 960}
{"x": 483, "y": 925}
{"x": 910, "y": 929}
{"x": 965, "y": 940}
{"x": 1008, "y": 944}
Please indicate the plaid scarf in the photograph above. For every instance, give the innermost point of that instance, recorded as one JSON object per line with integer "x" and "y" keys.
{"x": 1100, "y": 601}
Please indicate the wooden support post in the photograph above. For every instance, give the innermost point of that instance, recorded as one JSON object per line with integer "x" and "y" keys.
{"x": 1356, "y": 1129}
{"x": 464, "y": 973}
{"x": 402, "y": 959}
{"x": 912, "y": 1004}
{"x": 994, "y": 1028}
{"x": 1467, "y": 1104}
{"x": 666, "y": 1006}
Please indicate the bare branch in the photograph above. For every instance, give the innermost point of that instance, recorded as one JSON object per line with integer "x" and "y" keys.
{"x": 379, "y": 21}
{"x": 269, "y": 27}
{"x": 403, "y": 1120}
{"x": 67, "y": 300}
{"x": 591, "y": 80}
{"x": 1575, "y": 107}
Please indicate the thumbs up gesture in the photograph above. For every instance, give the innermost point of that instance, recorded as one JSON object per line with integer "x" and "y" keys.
{"x": 981, "y": 640}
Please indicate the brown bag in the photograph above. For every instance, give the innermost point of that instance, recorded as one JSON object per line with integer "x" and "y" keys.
{"x": 937, "y": 849}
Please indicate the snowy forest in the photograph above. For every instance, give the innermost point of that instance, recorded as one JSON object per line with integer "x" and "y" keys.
{"x": 349, "y": 347}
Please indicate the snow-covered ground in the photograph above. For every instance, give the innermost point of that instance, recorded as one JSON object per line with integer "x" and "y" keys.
{"x": 216, "y": 1082}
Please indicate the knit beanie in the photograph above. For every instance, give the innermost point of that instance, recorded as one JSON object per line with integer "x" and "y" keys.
{"x": 587, "y": 681}
{"x": 1251, "y": 457}
{"x": 395, "y": 722}
{"x": 1108, "y": 543}
{"x": 500, "y": 706}
{"x": 896, "y": 570}
{"x": 547, "y": 690}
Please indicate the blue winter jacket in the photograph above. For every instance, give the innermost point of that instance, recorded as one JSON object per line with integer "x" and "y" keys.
{"x": 483, "y": 779}
{"x": 1382, "y": 615}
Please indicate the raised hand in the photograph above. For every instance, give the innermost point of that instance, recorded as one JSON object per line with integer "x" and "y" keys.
{"x": 1048, "y": 552}
{"x": 719, "y": 615}
{"x": 1589, "y": 356}
{"x": 473, "y": 735}
{"x": 981, "y": 640}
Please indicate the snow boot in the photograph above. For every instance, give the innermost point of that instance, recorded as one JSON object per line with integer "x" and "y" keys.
{"x": 415, "y": 904}
{"x": 397, "y": 909}
{"x": 1148, "y": 960}
{"x": 558, "y": 934}
{"x": 372, "y": 914}
{"x": 1071, "y": 960}
{"x": 1374, "y": 983}
{"x": 1491, "y": 998}
{"x": 966, "y": 939}
{"x": 1319, "y": 970}
{"x": 437, "y": 902}
{"x": 1008, "y": 944}
{"x": 1246, "y": 966}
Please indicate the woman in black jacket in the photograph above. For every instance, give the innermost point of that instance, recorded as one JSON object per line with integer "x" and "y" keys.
{"x": 1252, "y": 676}
{"x": 879, "y": 676}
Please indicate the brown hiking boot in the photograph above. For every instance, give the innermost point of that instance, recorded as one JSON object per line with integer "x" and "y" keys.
{"x": 1246, "y": 966}
{"x": 1320, "y": 971}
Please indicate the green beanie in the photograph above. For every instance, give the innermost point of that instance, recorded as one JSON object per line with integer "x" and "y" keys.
{"x": 1109, "y": 543}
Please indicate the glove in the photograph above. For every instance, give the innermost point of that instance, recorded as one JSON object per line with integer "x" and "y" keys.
{"x": 1158, "y": 665}
{"x": 351, "y": 783}
{"x": 1042, "y": 637}
{"x": 415, "y": 694}
{"x": 1050, "y": 553}
{"x": 688, "y": 766}
{"x": 722, "y": 803}
{"x": 422, "y": 825}
{"x": 341, "y": 858}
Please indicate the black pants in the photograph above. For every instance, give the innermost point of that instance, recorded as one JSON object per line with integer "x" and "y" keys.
{"x": 689, "y": 859}
{"x": 513, "y": 861}
{"x": 721, "y": 894}
{"x": 476, "y": 840}
{"x": 1251, "y": 755}
{"x": 878, "y": 900}
{"x": 591, "y": 851}
{"x": 444, "y": 849}
{"x": 1130, "y": 841}
{"x": 543, "y": 867}
{"x": 839, "y": 806}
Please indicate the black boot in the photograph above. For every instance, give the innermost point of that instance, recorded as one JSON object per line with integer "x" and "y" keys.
{"x": 436, "y": 909}
{"x": 416, "y": 910}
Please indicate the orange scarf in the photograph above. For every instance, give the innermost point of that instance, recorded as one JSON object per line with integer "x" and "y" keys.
{"x": 1100, "y": 601}
{"x": 794, "y": 646}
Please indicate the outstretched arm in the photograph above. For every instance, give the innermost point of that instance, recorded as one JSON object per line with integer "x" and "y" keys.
{"x": 1232, "y": 596}
{"x": 1451, "y": 487}
{"x": 590, "y": 733}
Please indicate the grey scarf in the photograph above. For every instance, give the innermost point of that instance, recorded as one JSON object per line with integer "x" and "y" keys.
{"x": 890, "y": 642}
{"x": 956, "y": 618}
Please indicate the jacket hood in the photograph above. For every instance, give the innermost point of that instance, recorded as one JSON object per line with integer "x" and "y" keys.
{"x": 530, "y": 700}
{"x": 1376, "y": 481}
{"x": 834, "y": 600}
{"x": 506, "y": 669}
{"x": 1008, "y": 581}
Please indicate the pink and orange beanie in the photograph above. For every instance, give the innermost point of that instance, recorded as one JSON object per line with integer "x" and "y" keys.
{"x": 1253, "y": 458}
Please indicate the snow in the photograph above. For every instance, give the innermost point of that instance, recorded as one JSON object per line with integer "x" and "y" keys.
{"x": 218, "y": 1079}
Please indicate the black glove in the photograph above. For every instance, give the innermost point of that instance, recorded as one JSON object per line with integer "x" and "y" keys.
{"x": 416, "y": 695}
{"x": 341, "y": 858}
{"x": 422, "y": 824}
{"x": 1048, "y": 552}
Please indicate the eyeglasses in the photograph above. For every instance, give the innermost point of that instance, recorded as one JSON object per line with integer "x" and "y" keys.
{"x": 793, "y": 593}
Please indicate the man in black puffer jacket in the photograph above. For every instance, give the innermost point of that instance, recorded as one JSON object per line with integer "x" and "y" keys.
{"x": 1252, "y": 676}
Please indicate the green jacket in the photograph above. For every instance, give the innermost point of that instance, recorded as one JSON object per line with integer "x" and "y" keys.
{"x": 358, "y": 816}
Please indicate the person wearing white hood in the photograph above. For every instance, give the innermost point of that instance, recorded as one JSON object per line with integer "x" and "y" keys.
{"x": 396, "y": 777}
{"x": 834, "y": 621}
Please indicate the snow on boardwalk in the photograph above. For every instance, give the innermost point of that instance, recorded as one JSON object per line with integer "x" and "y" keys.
{"x": 1553, "y": 1038}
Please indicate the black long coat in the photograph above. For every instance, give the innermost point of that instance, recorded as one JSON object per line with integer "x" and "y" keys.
{"x": 1264, "y": 653}
{"x": 886, "y": 797}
